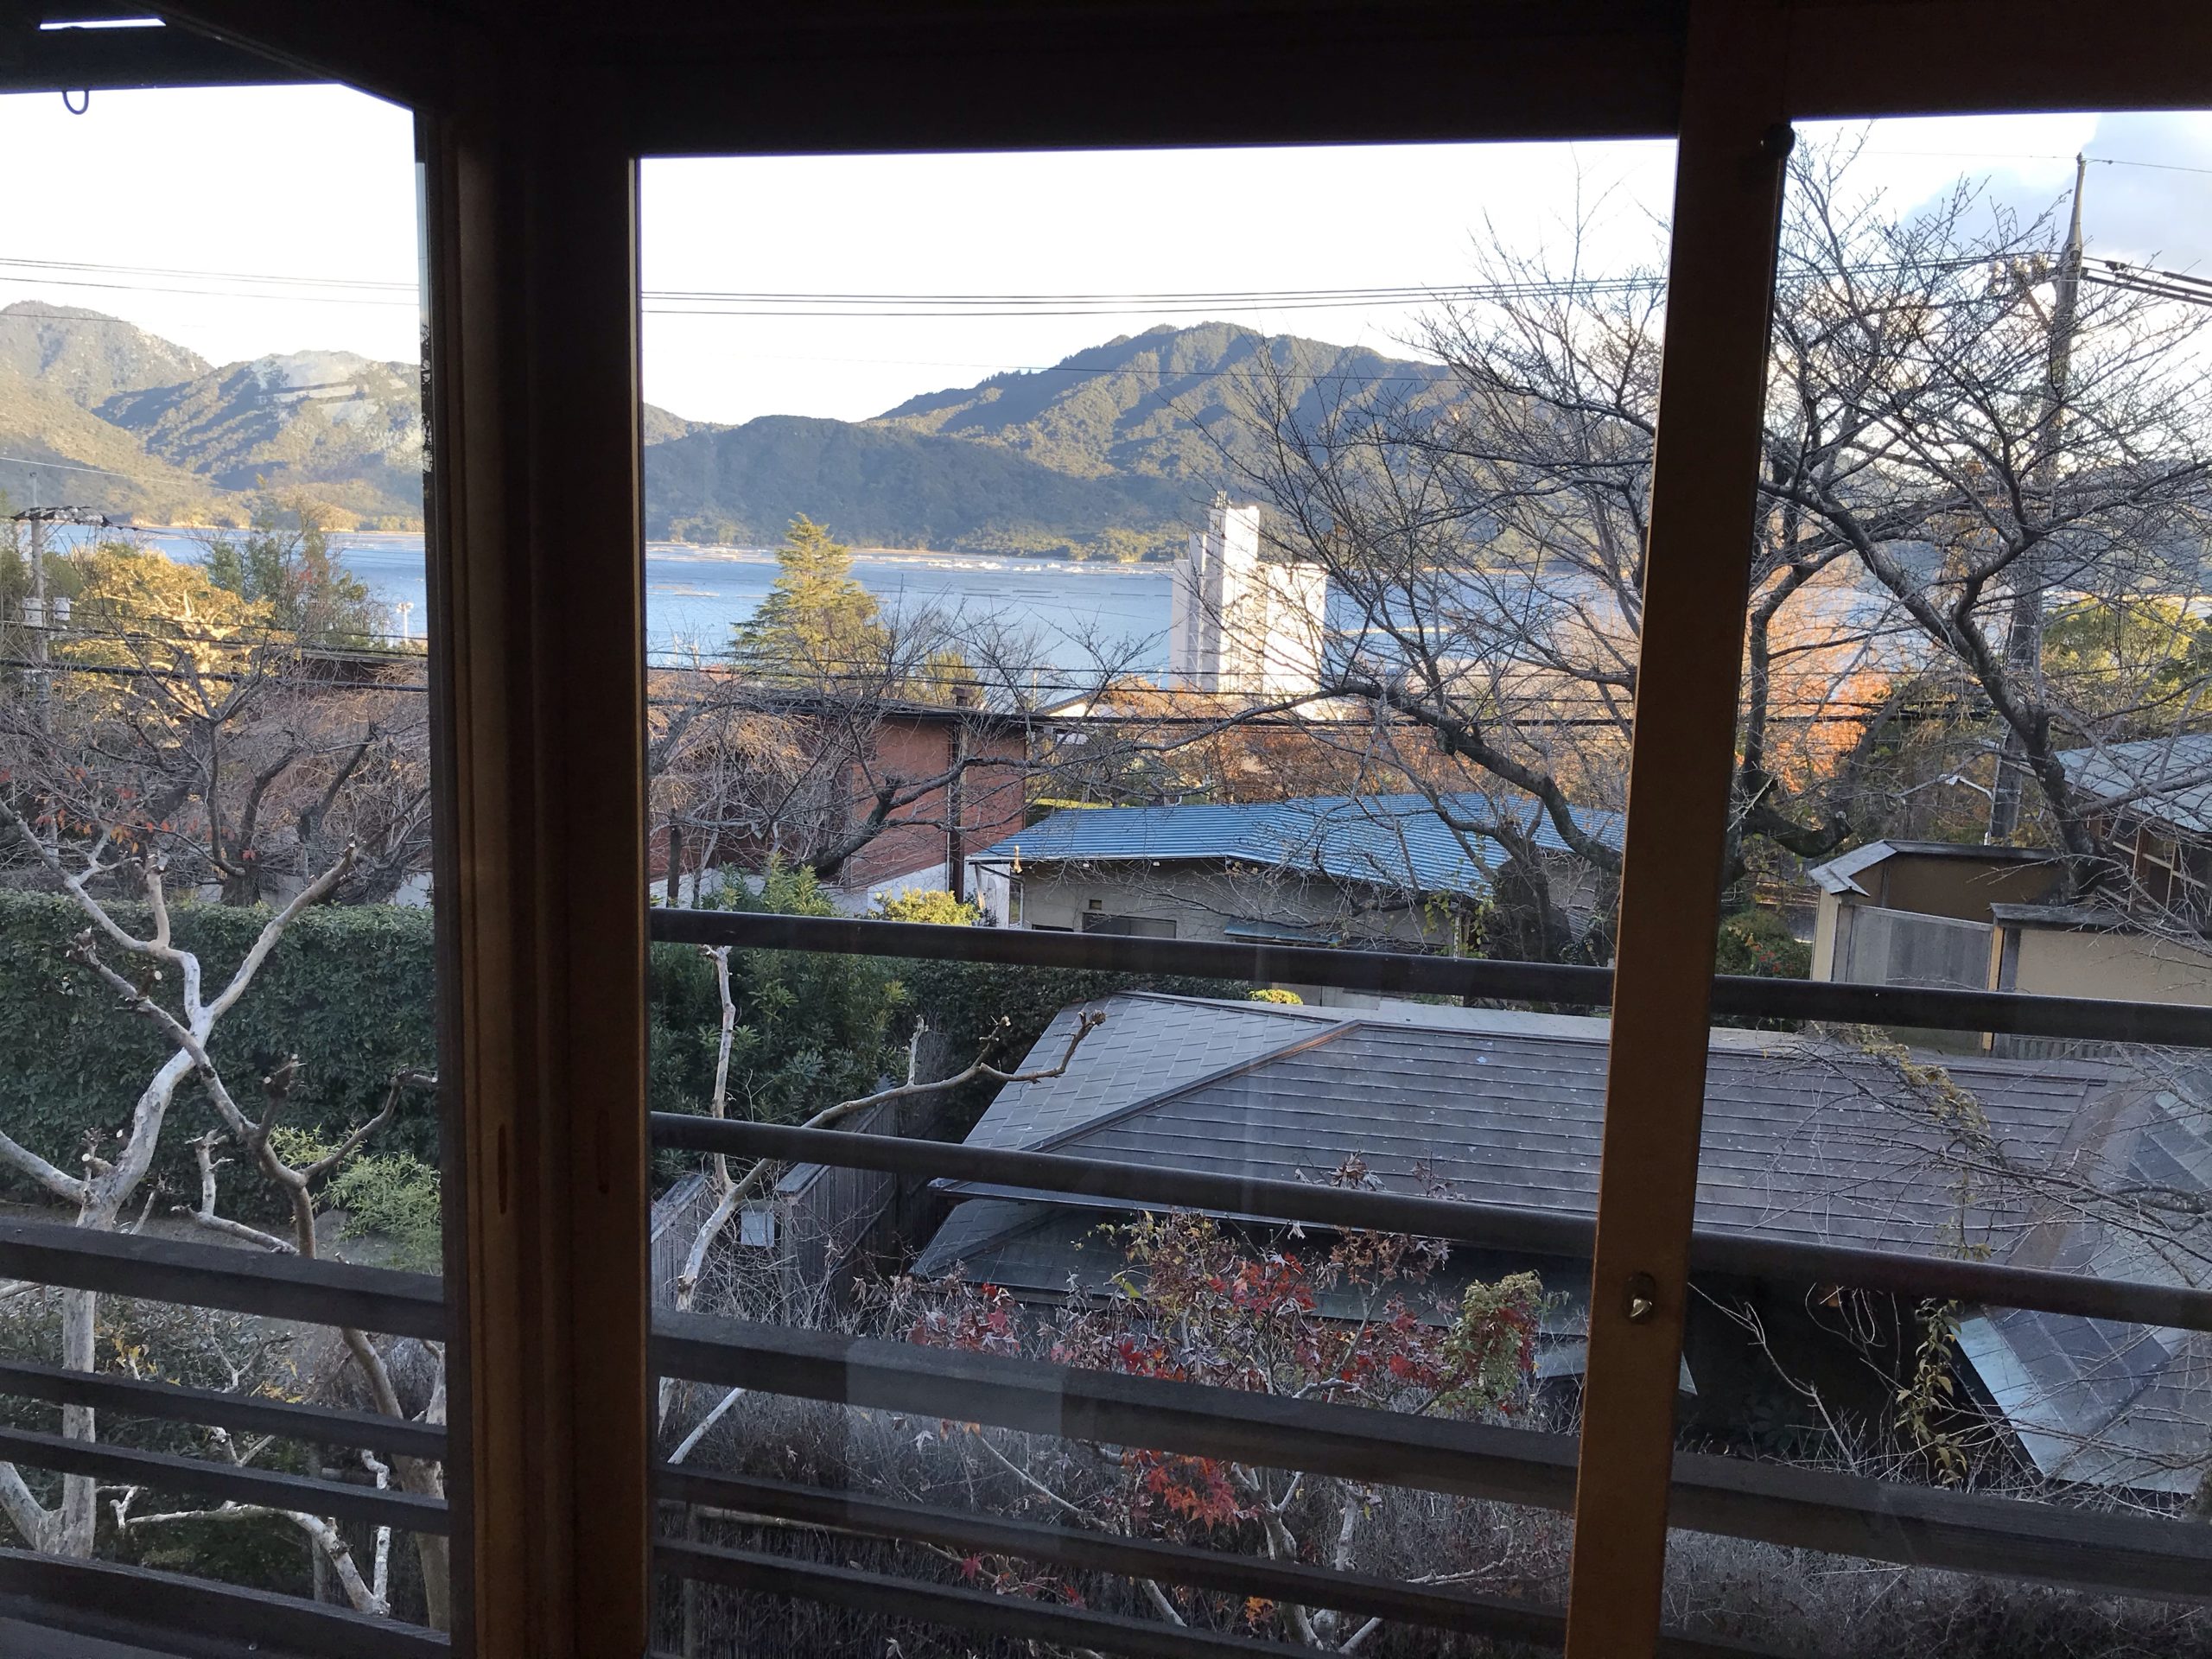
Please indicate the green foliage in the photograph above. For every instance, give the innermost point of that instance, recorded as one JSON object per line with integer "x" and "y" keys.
{"x": 1760, "y": 942}
{"x": 351, "y": 990}
{"x": 816, "y": 616}
{"x": 289, "y": 568}
{"x": 2137, "y": 664}
{"x": 930, "y": 904}
{"x": 392, "y": 1196}
{"x": 1928, "y": 1402}
{"x": 811, "y": 1030}
{"x": 14, "y": 568}
{"x": 1276, "y": 994}
{"x": 1491, "y": 1347}
{"x": 389, "y": 1195}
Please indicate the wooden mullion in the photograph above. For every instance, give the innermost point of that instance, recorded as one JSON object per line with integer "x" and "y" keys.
{"x": 1729, "y": 169}
{"x": 532, "y": 208}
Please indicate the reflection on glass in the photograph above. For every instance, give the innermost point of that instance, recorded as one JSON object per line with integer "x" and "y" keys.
{"x": 215, "y": 811}
{"x": 1969, "y": 762}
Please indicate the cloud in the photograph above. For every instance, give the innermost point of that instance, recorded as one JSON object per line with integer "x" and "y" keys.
{"x": 2152, "y": 214}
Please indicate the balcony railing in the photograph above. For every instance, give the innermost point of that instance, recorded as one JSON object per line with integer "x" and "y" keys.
{"x": 166, "y": 1613}
{"x": 1814, "y": 1509}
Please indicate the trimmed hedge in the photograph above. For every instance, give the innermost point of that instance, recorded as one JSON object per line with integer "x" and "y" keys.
{"x": 351, "y": 989}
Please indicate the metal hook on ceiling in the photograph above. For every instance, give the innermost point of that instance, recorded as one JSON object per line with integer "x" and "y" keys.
{"x": 84, "y": 94}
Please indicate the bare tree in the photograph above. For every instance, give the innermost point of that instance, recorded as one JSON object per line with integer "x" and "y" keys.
{"x": 113, "y": 1177}
{"x": 1486, "y": 529}
{"x": 185, "y": 719}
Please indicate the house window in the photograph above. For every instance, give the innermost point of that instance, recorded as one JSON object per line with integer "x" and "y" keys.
{"x": 1134, "y": 927}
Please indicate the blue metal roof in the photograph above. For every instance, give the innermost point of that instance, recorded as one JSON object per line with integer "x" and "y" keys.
{"x": 1395, "y": 841}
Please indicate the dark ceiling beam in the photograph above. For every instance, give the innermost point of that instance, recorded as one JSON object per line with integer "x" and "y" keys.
{"x": 864, "y": 77}
{"x": 418, "y": 52}
{"x": 33, "y": 60}
{"x": 1863, "y": 58}
{"x": 858, "y": 75}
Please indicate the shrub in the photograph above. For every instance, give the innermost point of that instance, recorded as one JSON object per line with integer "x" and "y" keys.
{"x": 351, "y": 989}
{"x": 1760, "y": 942}
{"x": 811, "y": 1030}
{"x": 928, "y": 905}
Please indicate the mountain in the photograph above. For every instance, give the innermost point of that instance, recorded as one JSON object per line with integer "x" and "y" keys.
{"x": 886, "y": 487}
{"x": 1163, "y": 403}
{"x": 342, "y": 429}
{"x": 85, "y": 356}
{"x": 1118, "y": 446}
{"x": 54, "y": 453}
{"x": 1116, "y": 449}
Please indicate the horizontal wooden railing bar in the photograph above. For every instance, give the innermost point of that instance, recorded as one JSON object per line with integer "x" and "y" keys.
{"x": 1501, "y": 1617}
{"x": 316, "y": 1425}
{"x": 1772, "y": 1503}
{"x": 167, "y": 1474}
{"x": 940, "y": 1603}
{"x": 2162, "y": 1024}
{"x": 1494, "y": 1226}
{"x": 107, "y": 1602}
{"x": 211, "y": 1275}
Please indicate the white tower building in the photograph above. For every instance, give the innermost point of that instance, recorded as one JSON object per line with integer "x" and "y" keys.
{"x": 1240, "y": 626}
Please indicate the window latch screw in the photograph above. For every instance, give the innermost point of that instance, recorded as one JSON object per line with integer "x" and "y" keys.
{"x": 1642, "y": 1297}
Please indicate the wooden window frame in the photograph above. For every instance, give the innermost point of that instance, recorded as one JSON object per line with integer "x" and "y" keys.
{"x": 532, "y": 127}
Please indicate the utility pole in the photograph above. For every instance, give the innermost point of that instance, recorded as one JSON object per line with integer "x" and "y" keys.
{"x": 41, "y": 618}
{"x": 2023, "y": 632}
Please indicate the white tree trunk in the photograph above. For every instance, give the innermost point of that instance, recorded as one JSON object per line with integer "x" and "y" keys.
{"x": 72, "y": 1533}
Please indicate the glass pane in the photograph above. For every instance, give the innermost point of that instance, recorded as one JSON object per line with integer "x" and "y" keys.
{"x": 1973, "y": 698}
{"x": 1202, "y": 617}
{"x": 215, "y": 812}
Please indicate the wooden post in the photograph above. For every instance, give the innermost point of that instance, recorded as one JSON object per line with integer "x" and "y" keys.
{"x": 1727, "y": 201}
{"x": 537, "y": 585}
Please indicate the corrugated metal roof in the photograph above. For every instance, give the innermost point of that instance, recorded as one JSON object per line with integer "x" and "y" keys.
{"x": 2091, "y": 1399}
{"x": 1394, "y": 841}
{"x": 2173, "y": 775}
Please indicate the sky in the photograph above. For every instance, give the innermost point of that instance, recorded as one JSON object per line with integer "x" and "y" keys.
{"x": 243, "y": 221}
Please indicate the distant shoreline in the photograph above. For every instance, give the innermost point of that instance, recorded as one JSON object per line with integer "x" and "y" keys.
{"x": 712, "y": 549}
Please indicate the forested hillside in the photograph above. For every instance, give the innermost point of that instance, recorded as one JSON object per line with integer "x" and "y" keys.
{"x": 1112, "y": 452}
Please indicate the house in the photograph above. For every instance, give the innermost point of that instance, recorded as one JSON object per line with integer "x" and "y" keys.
{"x": 883, "y": 798}
{"x": 1805, "y": 1140}
{"x": 2159, "y": 818}
{"x": 1396, "y": 870}
{"x": 1948, "y": 915}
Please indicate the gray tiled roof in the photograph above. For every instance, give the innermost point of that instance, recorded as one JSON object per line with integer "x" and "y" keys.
{"x": 1147, "y": 1046}
{"x": 2095, "y": 1401}
{"x": 1802, "y": 1140}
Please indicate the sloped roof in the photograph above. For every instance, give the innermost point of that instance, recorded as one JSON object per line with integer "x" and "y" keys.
{"x": 1801, "y": 1141}
{"x": 2173, "y": 776}
{"x": 1840, "y": 875}
{"x": 1395, "y": 841}
{"x": 2093, "y": 1399}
